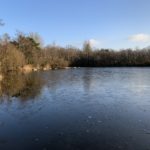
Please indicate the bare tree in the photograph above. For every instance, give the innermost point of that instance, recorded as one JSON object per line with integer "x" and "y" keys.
{"x": 37, "y": 38}
{"x": 5, "y": 39}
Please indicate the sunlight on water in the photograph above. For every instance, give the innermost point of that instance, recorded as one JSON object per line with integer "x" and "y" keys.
{"x": 86, "y": 108}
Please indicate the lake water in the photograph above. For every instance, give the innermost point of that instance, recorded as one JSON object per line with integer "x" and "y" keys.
{"x": 76, "y": 109}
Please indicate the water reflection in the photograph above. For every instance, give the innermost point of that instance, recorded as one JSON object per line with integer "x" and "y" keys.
{"x": 23, "y": 86}
{"x": 87, "y": 79}
{"x": 88, "y": 109}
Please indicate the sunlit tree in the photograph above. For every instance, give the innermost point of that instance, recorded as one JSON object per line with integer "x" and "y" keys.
{"x": 37, "y": 38}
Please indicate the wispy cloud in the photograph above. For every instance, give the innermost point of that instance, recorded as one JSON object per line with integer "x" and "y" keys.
{"x": 140, "y": 38}
{"x": 95, "y": 43}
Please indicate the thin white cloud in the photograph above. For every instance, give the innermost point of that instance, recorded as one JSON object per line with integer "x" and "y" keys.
{"x": 95, "y": 43}
{"x": 140, "y": 38}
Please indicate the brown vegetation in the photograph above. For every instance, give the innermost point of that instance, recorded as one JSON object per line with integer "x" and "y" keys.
{"x": 17, "y": 84}
{"x": 26, "y": 53}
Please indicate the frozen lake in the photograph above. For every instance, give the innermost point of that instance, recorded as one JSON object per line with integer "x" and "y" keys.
{"x": 76, "y": 109}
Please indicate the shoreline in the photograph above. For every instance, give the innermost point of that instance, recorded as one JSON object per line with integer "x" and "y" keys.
{"x": 34, "y": 69}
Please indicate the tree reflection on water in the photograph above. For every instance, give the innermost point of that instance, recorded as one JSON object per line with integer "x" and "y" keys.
{"x": 22, "y": 86}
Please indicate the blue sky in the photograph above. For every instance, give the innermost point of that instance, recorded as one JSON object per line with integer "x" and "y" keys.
{"x": 105, "y": 23}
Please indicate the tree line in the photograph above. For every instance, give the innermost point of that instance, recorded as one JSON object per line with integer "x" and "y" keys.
{"x": 23, "y": 50}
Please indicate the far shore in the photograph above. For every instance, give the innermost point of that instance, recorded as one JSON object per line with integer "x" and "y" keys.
{"x": 29, "y": 68}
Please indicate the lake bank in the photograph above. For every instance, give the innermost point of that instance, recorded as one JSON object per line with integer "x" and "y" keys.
{"x": 27, "y": 69}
